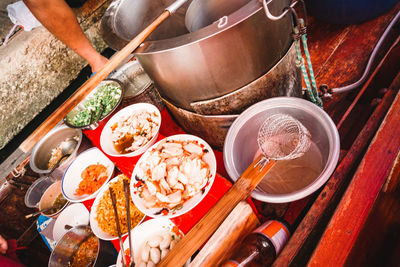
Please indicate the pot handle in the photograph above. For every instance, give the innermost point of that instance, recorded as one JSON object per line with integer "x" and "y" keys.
{"x": 285, "y": 11}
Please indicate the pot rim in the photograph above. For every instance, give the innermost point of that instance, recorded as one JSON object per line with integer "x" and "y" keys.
{"x": 166, "y": 45}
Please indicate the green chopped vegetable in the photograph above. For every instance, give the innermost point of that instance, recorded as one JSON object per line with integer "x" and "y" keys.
{"x": 96, "y": 106}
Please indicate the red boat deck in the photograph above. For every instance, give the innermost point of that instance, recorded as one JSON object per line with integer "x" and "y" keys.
{"x": 352, "y": 220}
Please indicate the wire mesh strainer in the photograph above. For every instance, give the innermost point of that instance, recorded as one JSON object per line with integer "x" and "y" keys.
{"x": 282, "y": 137}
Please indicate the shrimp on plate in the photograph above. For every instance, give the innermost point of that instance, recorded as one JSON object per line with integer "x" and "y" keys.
{"x": 174, "y": 172}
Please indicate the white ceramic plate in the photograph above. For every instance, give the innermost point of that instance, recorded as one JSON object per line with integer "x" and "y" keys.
{"x": 189, "y": 204}
{"x": 144, "y": 232}
{"x": 72, "y": 176}
{"x": 73, "y": 215}
{"x": 105, "y": 138}
{"x": 93, "y": 212}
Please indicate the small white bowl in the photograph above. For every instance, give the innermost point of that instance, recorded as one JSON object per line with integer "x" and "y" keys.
{"x": 189, "y": 204}
{"x": 73, "y": 215}
{"x": 105, "y": 137}
{"x": 72, "y": 176}
{"x": 142, "y": 233}
{"x": 48, "y": 198}
{"x": 93, "y": 212}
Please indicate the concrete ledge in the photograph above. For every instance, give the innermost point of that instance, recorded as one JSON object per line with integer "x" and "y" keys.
{"x": 35, "y": 68}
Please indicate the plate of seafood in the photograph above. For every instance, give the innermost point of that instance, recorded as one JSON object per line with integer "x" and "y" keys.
{"x": 131, "y": 130}
{"x": 173, "y": 176}
{"x": 102, "y": 217}
{"x": 151, "y": 241}
{"x": 86, "y": 175}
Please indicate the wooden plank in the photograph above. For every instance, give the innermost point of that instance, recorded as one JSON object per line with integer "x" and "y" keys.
{"x": 327, "y": 36}
{"x": 347, "y": 61}
{"x": 345, "y": 225}
{"x": 232, "y": 231}
{"x": 15, "y": 160}
{"x": 302, "y": 238}
{"x": 378, "y": 243}
{"x": 369, "y": 96}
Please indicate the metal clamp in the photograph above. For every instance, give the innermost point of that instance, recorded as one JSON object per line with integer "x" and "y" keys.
{"x": 18, "y": 173}
{"x": 285, "y": 11}
{"x": 269, "y": 14}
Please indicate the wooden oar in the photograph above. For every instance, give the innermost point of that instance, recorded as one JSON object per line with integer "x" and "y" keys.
{"x": 207, "y": 225}
{"x": 90, "y": 84}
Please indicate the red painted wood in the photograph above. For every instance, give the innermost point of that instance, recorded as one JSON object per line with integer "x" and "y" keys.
{"x": 330, "y": 192}
{"x": 342, "y": 231}
{"x": 340, "y": 53}
{"x": 380, "y": 246}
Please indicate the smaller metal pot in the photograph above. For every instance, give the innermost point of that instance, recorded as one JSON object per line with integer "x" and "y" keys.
{"x": 68, "y": 245}
{"x": 212, "y": 128}
{"x": 41, "y": 153}
{"x": 48, "y": 198}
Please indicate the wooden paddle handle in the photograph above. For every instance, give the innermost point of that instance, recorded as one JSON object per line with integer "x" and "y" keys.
{"x": 89, "y": 85}
{"x": 207, "y": 225}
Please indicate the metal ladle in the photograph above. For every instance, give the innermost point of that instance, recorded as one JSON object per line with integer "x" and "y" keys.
{"x": 67, "y": 147}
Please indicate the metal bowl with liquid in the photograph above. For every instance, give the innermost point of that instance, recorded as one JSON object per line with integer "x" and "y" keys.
{"x": 240, "y": 148}
{"x": 69, "y": 244}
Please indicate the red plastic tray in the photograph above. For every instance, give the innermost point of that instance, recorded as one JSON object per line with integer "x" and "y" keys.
{"x": 126, "y": 165}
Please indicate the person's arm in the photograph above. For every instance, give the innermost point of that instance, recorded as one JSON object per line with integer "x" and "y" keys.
{"x": 3, "y": 245}
{"x": 60, "y": 20}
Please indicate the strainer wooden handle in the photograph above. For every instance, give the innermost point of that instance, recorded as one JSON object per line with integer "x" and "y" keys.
{"x": 207, "y": 225}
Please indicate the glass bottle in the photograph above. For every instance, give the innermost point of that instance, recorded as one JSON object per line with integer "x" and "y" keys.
{"x": 260, "y": 247}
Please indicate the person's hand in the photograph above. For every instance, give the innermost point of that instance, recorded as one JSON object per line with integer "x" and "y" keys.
{"x": 97, "y": 62}
{"x": 3, "y": 245}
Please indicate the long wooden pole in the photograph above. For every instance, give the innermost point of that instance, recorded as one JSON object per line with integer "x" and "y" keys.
{"x": 207, "y": 225}
{"x": 90, "y": 84}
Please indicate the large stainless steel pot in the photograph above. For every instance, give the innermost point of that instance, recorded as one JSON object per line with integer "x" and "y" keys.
{"x": 213, "y": 117}
{"x": 221, "y": 57}
{"x": 215, "y": 58}
{"x": 283, "y": 79}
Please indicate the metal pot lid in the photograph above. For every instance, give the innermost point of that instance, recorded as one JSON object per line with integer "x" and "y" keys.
{"x": 133, "y": 77}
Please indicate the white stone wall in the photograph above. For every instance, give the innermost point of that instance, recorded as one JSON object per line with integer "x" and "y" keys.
{"x": 35, "y": 68}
